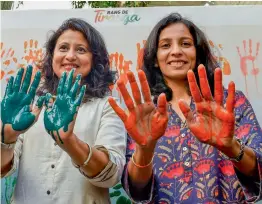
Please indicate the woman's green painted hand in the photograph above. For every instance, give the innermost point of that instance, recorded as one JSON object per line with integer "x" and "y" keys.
{"x": 60, "y": 116}
{"x": 17, "y": 114}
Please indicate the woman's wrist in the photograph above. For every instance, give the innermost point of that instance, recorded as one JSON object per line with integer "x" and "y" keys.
{"x": 76, "y": 149}
{"x": 144, "y": 155}
{"x": 9, "y": 136}
{"x": 233, "y": 150}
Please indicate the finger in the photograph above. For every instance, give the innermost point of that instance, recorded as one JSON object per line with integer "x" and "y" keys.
{"x": 71, "y": 124}
{"x": 134, "y": 87}
{"x": 218, "y": 87}
{"x": 158, "y": 125}
{"x": 121, "y": 113}
{"x": 48, "y": 101}
{"x": 40, "y": 102}
{"x": 194, "y": 89}
{"x": 61, "y": 84}
{"x": 162, "y": 104}
{"x": 38, "y": 107}
{"x": 69, "y": 80}
{"x": 127, "y": 98}
{"x": 231, "y": 97}
{"x": 204, "y": 85}
{"x": 27, "y": 79}
{"x": 18, "y": 80}
{"x": 144, "y": 86}
{"x": 9, "y": 87}
{"x": 80, "y": 96}
{"x": 186, "y": 111}
{"x": 35, "y": 84}
{"x": 75, "y": 87}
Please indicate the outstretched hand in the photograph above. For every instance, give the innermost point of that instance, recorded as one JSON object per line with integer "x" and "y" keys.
{"x": 60, "y": 116}
{"x": 213, "y": 123}
{"x": 17, "y": 115}
{"x": 145, "y": 123}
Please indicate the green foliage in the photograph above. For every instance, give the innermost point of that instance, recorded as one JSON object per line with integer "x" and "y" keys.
{"x": 136, "y": 3}
{"x": 109, "y": 4}
{"x": 6, "y": 5}
{"x": 78, "y": 4}
{"x": 104, "y": 4}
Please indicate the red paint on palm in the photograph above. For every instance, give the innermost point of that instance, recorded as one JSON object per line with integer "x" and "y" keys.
{"x": 144, "y": 122}
{"x": 213, "y": 123}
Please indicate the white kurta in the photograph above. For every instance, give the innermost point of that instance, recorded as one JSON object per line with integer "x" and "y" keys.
{"x": 46, "y": 174}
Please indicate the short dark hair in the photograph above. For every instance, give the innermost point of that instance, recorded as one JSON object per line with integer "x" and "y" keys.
{"x": 100, "y": 77}
{"x": 203, "y": 55}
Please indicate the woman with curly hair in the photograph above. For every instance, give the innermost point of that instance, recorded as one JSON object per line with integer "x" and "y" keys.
{"x": 78, "y": 130}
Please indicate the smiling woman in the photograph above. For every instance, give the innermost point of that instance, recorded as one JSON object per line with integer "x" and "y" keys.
{"x": 189, "y": 144}
{"x": 71, "y": 51}
{"x": 73, "y": 151}
{"x": 75, "y": 45}
{"x": 173, "y": 42}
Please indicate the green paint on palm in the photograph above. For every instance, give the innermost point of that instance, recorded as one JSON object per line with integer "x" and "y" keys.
{"x": 62, "y": 113}
{"x": 15, "y": 107}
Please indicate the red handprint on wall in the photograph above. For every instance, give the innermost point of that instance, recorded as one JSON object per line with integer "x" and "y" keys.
{"x": 250, "y": 56}
{"x": 9, "y": 63}
{"x": 223, "y": 62}
{"x": 119, "y": 64}
{"x": 33, "y": 55}
{"x": 140, "y": 54}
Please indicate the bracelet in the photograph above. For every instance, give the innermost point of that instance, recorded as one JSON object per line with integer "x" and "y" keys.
{"x": 86, "y": 161}
{"x": 241, "y": 153}
{"x": 8, "y": 146}
{"x": 139, "y": 166}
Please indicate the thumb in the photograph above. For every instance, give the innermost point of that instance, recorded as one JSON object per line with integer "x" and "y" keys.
{"x": 38, "y": 107}
{"x": 186, "y": 110}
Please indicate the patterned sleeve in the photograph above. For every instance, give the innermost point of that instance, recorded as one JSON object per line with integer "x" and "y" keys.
{"x": 248, "y": 129}
{"x": 8, "y": 181}
{"x": 147, "y": 195}
{"x": 17, "y": 155}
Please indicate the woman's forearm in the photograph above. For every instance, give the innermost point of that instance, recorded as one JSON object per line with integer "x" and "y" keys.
{"x": 7, "y": 154}
{"x": 6, "y": 160}
{"x": 248, "y": 164}
{"x": 141, "y": 176}
{"x": 79, "y": 151}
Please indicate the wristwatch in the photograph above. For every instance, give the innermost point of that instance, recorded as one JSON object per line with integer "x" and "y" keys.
{"x": 241, "y": 153}
{"x": 8, "y": 146}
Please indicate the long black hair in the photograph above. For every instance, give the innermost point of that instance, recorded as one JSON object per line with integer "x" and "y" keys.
{"x": 203, "y": 55}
